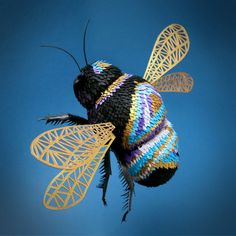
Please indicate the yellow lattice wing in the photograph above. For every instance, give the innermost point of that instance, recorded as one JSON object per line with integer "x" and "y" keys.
{"x": 170, "y": 48}
{"x": 70, "y": 186}
{"x": 71, "y": 145}
{"x": 179, "y": 82}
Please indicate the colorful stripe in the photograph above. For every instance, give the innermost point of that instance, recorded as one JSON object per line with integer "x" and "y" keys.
{"x": 159, "y": 152}
{"x": 112, "y": 89}
{"x": 147, "y": 115}
{"x": 99, "y": 66}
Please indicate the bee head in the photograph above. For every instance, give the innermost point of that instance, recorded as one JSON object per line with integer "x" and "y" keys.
{"x": 93, "y": 80}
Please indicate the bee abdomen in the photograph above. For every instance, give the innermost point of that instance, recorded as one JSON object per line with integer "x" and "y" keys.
{"x": 154, "y": 162}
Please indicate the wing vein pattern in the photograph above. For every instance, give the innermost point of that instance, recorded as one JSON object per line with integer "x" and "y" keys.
{"x": 69, "y": 187}
{"x": 78, "y": 150}
{"x": 170, "y": 48}
{"x": 179, "y": 82}
{"x": 71, "y": 145}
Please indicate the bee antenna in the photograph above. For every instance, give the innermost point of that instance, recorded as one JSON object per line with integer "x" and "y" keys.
{"x": 84, "y": 43}
{"x": 61, "y": 49}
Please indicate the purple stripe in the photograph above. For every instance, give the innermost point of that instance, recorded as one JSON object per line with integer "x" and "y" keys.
{"x": 154, "y": 132}
{"x": 141, "y": 121}
{"x": 135, "y": 151}
{"x": 141, "y": 124}
{"x": 149, "y": 136}
{"x": 130, "y": 156}
{"x": 150, "y": 105}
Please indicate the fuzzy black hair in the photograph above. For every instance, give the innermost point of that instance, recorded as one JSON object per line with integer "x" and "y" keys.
{"x": 88, "y": 86}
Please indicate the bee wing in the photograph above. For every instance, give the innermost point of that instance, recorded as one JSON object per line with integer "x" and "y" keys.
{"x": 71, "y": 146}
{"x": 170, "y": 48}
{"x": 179, "y": 82}
{"x": 70, "y": 186}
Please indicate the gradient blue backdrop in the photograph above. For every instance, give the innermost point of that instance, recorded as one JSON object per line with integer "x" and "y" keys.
{"x": 37, "y": 81}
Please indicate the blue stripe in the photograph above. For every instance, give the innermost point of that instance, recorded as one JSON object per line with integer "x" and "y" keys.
{"x": 134, "y": 169}
{"x": 148, "y": 155}
{"x": 167, "y": 149}
{"x": 171, "y": 158}
{"x": 153, "y": 121}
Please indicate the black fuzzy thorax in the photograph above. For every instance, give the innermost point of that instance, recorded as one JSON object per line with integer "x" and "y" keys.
{"x": 116, "y": 109}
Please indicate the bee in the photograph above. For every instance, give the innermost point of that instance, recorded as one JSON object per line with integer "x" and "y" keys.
{"x": 126, "y": 115}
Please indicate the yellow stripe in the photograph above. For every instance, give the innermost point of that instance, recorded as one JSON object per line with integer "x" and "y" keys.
{"x": 109, "y": 90}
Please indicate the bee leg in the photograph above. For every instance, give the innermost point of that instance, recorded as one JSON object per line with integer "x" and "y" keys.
{"x": 66, "y": 118}
{"x": 105, "y": 171}
{"x": 128, "y": 184}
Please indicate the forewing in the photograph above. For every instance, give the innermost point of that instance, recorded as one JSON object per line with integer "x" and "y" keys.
{"x": 70, "y": 186}
{"x": 70, "y": 146}
{"x": 170, "y": 48}
{"x": 179, "y": 82}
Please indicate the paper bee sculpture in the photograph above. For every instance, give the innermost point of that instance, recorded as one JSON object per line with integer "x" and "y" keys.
{"x": 126, "y": 115}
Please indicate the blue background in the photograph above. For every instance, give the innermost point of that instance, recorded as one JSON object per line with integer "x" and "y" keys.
{"x": 200, "y": 199}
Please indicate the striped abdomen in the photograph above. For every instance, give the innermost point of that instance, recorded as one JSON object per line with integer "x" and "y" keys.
{"x": 150, "y": 139}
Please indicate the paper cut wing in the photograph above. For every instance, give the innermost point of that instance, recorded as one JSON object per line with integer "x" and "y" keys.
{"x": 78, "y": 150}
{"x": 179, "y": 82}
{"x": 171, "y": 47}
